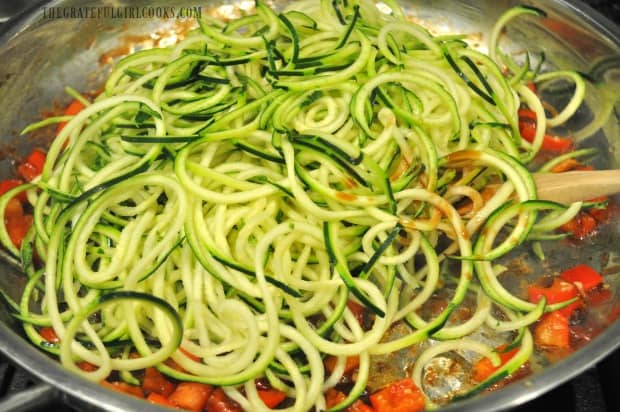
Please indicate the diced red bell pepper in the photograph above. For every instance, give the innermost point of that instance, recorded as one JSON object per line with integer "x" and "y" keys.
{"x": 559, "y": 291}
{"x": 527, "y": 114}
{"x": 155, "y": 382}
{"x": 352, "y": 363}
{"x": 16, "y": 222}
{"x": 583, "y": 276}
{"x": 271, "y": 397}
{"x": 556, "y": 144}
{"x": 13, "y": 209}
{"x": 8, "y": 184}
{"x": 33, "y": 165}
{"x": 552, "y": 330}
{"x": 581, "y": 226}
{"x": 550, "y": 142}
{"x": 532, "y": 86}
{"x": 333, "y": 397}
{"x": 400, "y": 396}
{"x": 220, "y": 402}
{"x": 87, "y": 366}
{"x": 484, "y": 368}
{"x": 74, "y": 108}
{"x": 191, "y": 396}
{"x": 18, "y": 228}
{"x": 527, "y": 128}
{"x": 123, "y": 388}
{"x": 359, "y": 406}
{"x": 157, "y": 399}
{"x": 49, "y": 334}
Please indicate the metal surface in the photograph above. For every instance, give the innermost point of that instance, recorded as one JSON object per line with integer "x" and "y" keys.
{"x": 39, "y": 57}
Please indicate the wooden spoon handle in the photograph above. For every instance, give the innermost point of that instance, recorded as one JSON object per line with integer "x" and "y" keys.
{"x": 576, "y": 186}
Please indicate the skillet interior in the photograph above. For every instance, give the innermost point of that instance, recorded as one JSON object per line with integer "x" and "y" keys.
{"x": 41, "y": 56}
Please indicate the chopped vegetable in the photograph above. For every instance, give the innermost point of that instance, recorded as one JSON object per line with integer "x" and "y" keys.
{"x": 352, "y": 363}
{"x": 32, "y": 166}
{"x": 484, "y": 368}
{"x": 271, "y": 397}
{"x": 158, "y": 399}
{"x": 220, "y": 402}
{"x": 87, "y": 366}
{"x": 333, "y": 397}
{"x": 552, "y": 330}
{"x": 581, "y": 226}
{"x": 583, "y": 276}
{"x": 8, "y": 184}
{"x": 400, "y": 396}
{"x": 191, "y": 396}
{"x": 359, "y": 406}
{"x": 154, "y": 381}
{"x": 527, "y": 128}
{"x": 72, "y": 109}
{"x": 559, "y": 291}
{"x": 49, "y": 334}
{"x": 17, "y": 222}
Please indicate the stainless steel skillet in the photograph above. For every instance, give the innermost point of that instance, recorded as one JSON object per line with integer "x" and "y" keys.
{"x": 39, "y": 56}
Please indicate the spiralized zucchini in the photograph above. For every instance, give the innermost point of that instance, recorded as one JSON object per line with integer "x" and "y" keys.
{"x": 229, "y": 195}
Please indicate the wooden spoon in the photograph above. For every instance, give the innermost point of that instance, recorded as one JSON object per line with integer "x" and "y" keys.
{"x": 574, "y": 186}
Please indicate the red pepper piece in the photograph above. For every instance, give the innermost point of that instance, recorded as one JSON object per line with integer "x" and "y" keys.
{"x": 271, "y": 397}
{"x": 154, "y": 381}
{"x": 484, "y": 368}
{"x": 333, "y": 397}
{"x": 157, "y": 399}
{"x": 581, "y": 226}
{"x": 551, "y": 143}
{"x": 33, "y": 165}
{"x": 400, "y": 396}
{"x": 49, "y": 334}
{"x": 352, "y": 363}
{"x": 559, "y": 291}
{"x": 359, "y": 406}
{"x": 74, "y": 108}
{"x": 552, "y": 330}
{"x": 87, "y": 366}
{"x": 17, "y": 223}
{"x": 191, "y": 396}
{"x": 8, "y": 184}
{"x": 220, "y": 402}
{"x": 583, "y": 276}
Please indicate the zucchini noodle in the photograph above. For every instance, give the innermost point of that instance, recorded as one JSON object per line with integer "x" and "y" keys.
{"x": 229, "y": 195}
